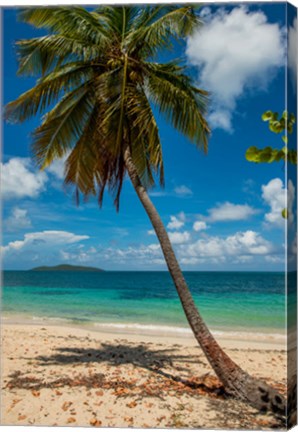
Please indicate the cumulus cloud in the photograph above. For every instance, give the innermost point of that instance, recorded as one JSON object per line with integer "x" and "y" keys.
{"x": 57, "y": 168}
{"x": 20, "y": 180}
{"x": 179, "y": 237}
{"x": 199, "y": 226}
{"x": 18, "y": 220}
{"x": 141, "y": 255}
{"x": 292, "y": 52}
{"x": 230, "y": 212}
{"x": 176, "y": 222}
{"x": 43, "y": 240}
{"x": 138, "y": 256}
{"x": 241, "y": 247}
{"x": 80, "y": 256}
{"x": 274, "y": 194}
{"x": 241, "y": 244}
{"x": 234, "y": 51}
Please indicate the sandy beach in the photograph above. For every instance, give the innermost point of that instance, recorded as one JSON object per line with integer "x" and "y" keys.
{"x": 64, "y": 376}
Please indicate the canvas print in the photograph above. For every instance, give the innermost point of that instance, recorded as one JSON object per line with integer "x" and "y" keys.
{"x": 149, "y": 243}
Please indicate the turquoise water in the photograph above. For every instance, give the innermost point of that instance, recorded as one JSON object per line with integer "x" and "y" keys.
{"x": 227, "y": 300}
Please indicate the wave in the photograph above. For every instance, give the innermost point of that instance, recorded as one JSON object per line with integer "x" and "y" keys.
{"x": 184, "y": 331}
{"x": 152, "y": 329}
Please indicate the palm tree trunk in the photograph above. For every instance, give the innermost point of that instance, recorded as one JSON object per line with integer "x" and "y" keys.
{"x": 236, "y": 381}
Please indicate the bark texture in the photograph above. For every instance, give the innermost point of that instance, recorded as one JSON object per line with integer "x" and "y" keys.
{"x": 237, "y": 382}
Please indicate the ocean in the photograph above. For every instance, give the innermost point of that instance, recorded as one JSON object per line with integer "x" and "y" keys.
{"x": 252, "y": 302}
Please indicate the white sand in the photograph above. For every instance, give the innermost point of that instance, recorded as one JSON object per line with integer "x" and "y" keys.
{"x": 53, "y": 375}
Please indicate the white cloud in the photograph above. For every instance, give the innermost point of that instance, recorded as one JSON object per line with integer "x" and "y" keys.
{"x": 179, "y": 192}
{"x": 183, "y": 191}
{"x": 151, "y": 232}
{"x": 175, "y": 222}
{"x": 18, "y": 220}
{"x": 57, "y": 168}
{"x": 242, "y": 259}
{"x": 292, "y": 52}
{"x": 179, "y": 237}
{"x": 230, "y": 212}
{"x": 274, "y": 194}
{"x": 43, "y": 240}
{"x": 234, "y": 51}
{"x": 241, "y": 244}
{"x": 275, "y": 259}
{"x": 190, "y": 261}
{"x": 20, "y": 180}
{"x": 221, "y": 119}
{"x": 200, "y": 226}
{"x": 80, "y": 256}
{"x": 92, "y": 250}
{"x": 141, "y": 254}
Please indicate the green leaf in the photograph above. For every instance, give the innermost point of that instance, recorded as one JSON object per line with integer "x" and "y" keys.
{"x": 279, "y": 156}
{"x": 275, "y": 116}
{"x": 284, "y": 213}
{"x": 265, "y": 155}
{"x": 275, "y": 126}
{"x": 252, "y": 154}
{"x": 182, "y": 104}
{"x": 267, "y": 115}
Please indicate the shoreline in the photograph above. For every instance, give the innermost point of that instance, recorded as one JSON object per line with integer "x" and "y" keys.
{"x": 180, "y": 335}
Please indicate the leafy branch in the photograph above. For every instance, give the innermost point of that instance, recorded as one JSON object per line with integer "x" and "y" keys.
{"x": 269, "y": 154}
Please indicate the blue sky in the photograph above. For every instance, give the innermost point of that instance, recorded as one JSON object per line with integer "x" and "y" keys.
{"x": 222, "y": 212}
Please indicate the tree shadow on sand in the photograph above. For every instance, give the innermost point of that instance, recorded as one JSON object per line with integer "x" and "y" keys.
{"x": 166, "y": 373}
{"x": 157, "y": 362}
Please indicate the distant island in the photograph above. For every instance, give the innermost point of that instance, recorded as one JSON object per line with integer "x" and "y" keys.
{"x": 67, "y": 267}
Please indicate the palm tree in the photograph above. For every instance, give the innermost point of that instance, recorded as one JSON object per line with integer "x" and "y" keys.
{"x": 100, "y": 69}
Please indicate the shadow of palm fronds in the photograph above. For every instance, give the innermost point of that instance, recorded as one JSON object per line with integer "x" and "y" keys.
{"x": 160, "y": 363}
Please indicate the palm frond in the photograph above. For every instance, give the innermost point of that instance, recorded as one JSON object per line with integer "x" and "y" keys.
{"x": 174, "y": 72}
{"x": 81, "y": 164}
{"x": 47, "y": 90}
{"x": 174, "y": 23}
{"x": 69, "y": 21}
{"x": 181, "y": 106}
{"x": 39, "y": 55}
{"x": 111, "y": 94}
{"x": 119, "y": 18}
{"x": 63, "y": 126}
{"x": 147, "y": 15}
{"x": 146, "y": 146}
